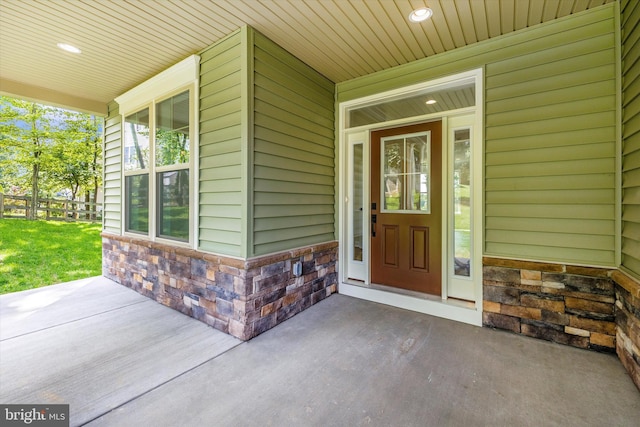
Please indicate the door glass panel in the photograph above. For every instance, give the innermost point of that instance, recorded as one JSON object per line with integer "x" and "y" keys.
{"x": 462, "y": 202}
{"x": 405, "y": 173}
{"x": 393, "y": 165}
{"x": 358, "y": 185}
{"x": 417, "y": 173}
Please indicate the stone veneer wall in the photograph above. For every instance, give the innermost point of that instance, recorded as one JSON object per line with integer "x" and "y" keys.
{"x": 241, "y": 297}
{"x": 628, "y": 323}
{"x": 562, "y": 303}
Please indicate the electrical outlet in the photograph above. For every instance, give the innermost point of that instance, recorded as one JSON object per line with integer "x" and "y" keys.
{"x": 297, "y": 269}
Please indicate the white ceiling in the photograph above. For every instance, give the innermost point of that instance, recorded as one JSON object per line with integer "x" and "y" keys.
{"x": 125, "y": 42}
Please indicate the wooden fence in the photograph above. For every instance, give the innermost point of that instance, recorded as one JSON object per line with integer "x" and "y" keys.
{"x": 50, "y": 209}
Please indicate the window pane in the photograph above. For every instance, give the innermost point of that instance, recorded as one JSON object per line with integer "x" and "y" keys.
{"x": 136, "y": 140}
{"x": 137, "y": 203}
{"x": 358, "y": 202}
{"x": 417, "y": 174}
{"x": 172, "y": 130}
{"x": 462, "y": 202}
{"x": 405, "y": 173}
{"x": 393, "y": 171}
{"x": 173, "y": 204}
{"x": 428, "y": 101}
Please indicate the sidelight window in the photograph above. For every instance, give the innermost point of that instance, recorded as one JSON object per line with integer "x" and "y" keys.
{"x": 462, "y": 201}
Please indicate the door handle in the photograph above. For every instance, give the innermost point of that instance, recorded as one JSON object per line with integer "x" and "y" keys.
{"x": 374, "y": 219}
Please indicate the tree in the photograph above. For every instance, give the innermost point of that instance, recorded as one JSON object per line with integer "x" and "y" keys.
{"x": 172, "y": 147}
{"x": 48, "y": 148}
{"x": 77, "y": 155}
{"x": 26, "y": 129}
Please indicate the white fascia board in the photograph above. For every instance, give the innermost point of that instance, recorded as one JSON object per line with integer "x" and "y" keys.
{"x": 180, "y": 74}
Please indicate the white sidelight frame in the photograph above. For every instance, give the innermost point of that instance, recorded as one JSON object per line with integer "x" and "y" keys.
{"x": 461, "y": 298}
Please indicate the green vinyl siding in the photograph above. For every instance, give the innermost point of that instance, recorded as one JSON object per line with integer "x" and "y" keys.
{"x": 630, "y": 22}
{"x": 562, "y": 103}
{"x": 550, "y": 114}
{"x": 221, "y": 185}
{"x": 540, "y": 38}
{"x": 112, "y": 184}
{"x": 293, "y": 152}
{"x": 266, "y": 168}
{"x": 550, "y": 128}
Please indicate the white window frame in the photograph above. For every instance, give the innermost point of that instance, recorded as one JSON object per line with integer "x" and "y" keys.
{"x": 183, "y": 76}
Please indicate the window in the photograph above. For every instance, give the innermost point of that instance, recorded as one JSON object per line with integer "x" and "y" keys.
{"x": 445, "y": 97}
{"x": 405, "y": 173}
{"x": 158, "y": 138}
{"x": 173, "y": 204}
{"x": 137, "y": 203}
{"x": 462, "y": 201}
{"x": 172, "y": 164}
{"x": 136, "y": 163}
{"x": 357, "y": 191}
{"x": 156, "y": 160}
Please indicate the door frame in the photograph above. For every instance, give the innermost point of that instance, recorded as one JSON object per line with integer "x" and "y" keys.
{"x": 359, "y": 284}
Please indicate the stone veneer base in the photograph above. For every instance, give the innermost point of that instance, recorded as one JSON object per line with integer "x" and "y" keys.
{"x": 628, "y": 323}
{"x": 241, "y": 297}
{"x": 562, "y": 303}
{"x": 591, "y": 308}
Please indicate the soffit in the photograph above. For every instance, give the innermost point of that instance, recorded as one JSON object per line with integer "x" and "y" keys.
{"x": 124, "y": 43}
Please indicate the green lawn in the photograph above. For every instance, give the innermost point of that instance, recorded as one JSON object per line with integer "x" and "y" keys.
{"x": 42, "y": 253}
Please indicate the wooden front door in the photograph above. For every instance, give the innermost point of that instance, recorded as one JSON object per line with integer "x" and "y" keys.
{"x": 406, "y": 207}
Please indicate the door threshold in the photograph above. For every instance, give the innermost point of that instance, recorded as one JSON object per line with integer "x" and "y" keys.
{"x": 407, "y": 292}
{"x": 452, "y": 309}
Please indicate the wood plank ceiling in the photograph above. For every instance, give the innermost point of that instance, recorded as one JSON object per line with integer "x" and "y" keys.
{"x": 124, "y": 42}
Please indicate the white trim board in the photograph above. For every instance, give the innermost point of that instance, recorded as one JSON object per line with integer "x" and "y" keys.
{"x": 181, "y": 74}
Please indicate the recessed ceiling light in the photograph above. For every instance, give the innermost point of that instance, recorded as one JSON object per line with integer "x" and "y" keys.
{"x": 431, "y": 102}
{"x": 69, "y": 48}
{"x": 421, "y": 14}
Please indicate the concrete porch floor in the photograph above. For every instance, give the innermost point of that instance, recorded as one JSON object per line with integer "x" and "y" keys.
{"x": 120, "y": 359}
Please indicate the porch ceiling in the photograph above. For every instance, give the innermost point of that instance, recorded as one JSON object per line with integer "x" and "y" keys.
{"x": 124, "y": 43}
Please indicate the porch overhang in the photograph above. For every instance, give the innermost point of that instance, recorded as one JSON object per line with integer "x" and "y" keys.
{"x": 53, "y": 97}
